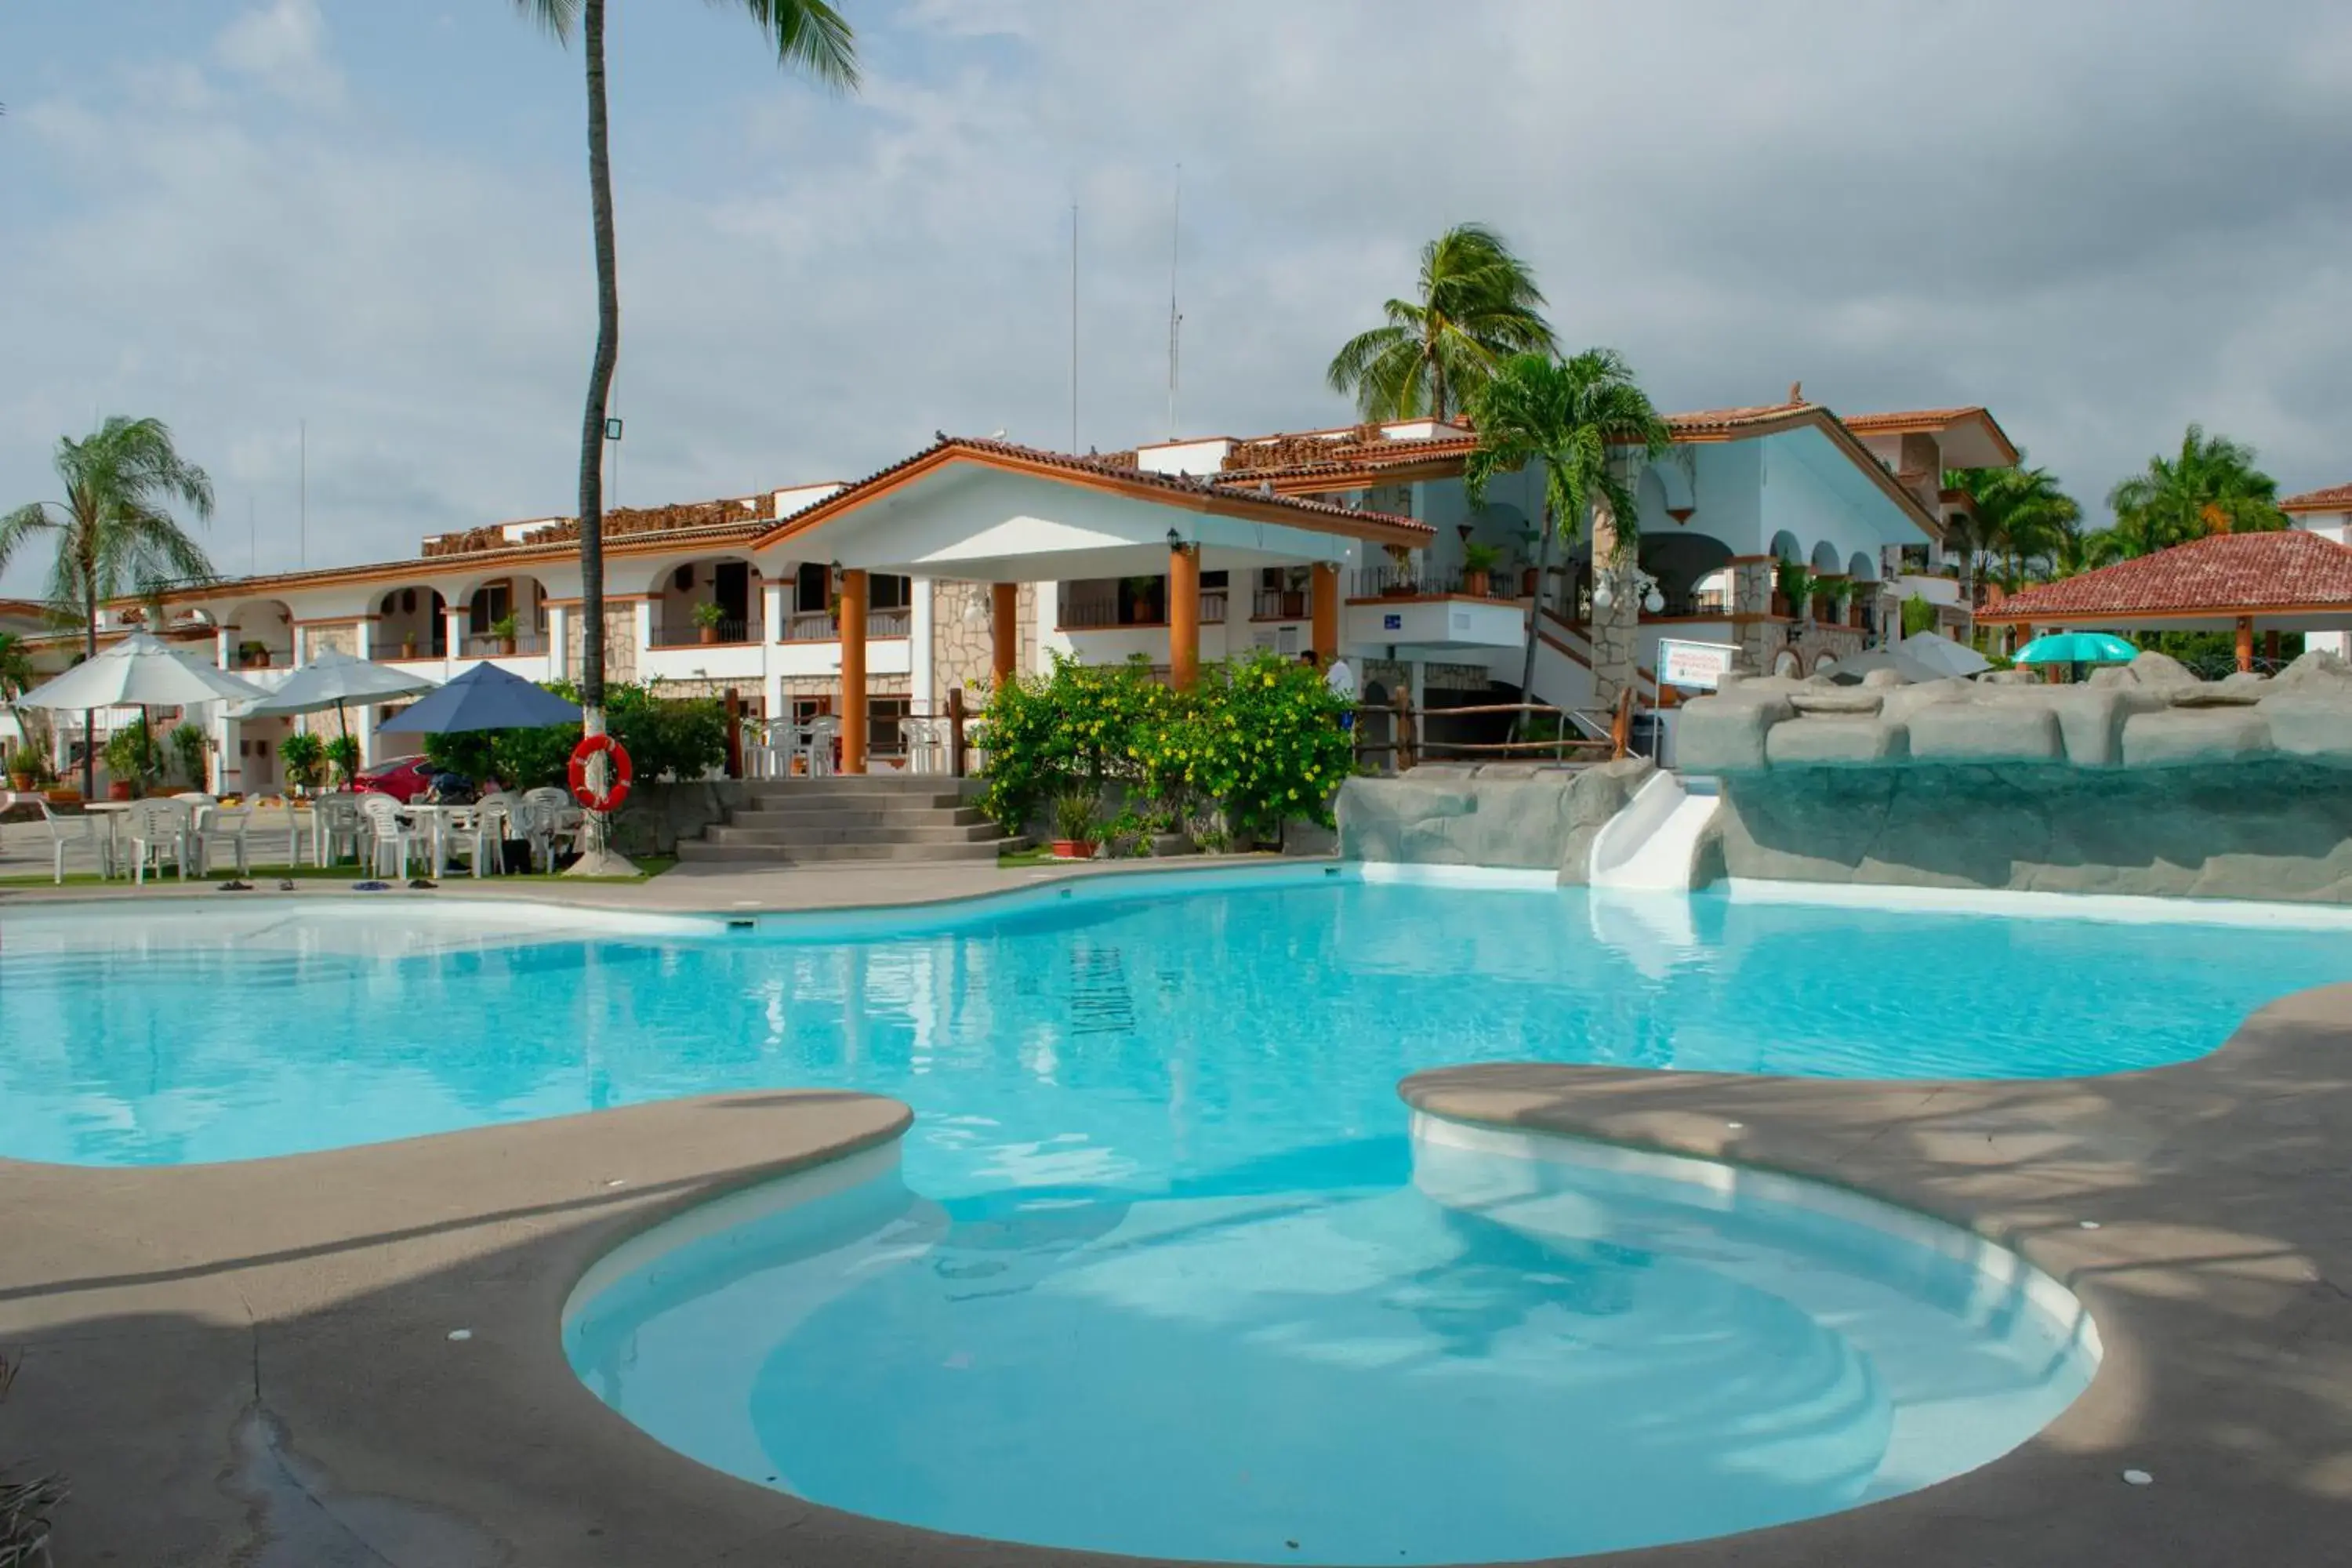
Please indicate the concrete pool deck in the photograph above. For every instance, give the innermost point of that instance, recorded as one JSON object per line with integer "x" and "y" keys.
{"x": 251, "y": 1363}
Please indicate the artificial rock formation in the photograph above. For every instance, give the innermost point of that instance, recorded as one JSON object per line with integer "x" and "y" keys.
{"x": 2143, "y": 780}
{"x": 1519, "y": 815}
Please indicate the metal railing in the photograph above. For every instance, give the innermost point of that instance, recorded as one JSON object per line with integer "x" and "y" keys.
{"x": 811, "y": 625}
{"x": 484, "y": 645}
{"x": 726, "y": 631}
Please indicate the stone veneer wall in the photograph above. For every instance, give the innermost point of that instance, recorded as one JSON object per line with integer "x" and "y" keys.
{"x": 2144, "y": 781}
{"x": 962, "y": 644}
{"x": 620, "y": 643}
{"x": 317, "y": 640}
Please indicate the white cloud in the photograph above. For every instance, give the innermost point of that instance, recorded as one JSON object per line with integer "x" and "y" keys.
{"x": 2102, "y": 224}
{"x": 281, "y": 47}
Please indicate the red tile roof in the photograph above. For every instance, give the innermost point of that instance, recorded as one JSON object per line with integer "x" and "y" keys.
{"x": 2334, "y": 498}
{"x": 1212, "y": 494}
{"x": 2294, "y": 571}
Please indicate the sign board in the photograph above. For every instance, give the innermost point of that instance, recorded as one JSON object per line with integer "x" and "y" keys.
{"x": 1392, "y": 622}
{"x": 1694, "y": 666}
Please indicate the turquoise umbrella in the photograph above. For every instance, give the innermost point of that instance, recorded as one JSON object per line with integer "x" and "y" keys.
{"x": 2077, "y": 647}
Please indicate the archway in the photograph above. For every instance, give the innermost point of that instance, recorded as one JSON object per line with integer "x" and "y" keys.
{"x": 412, "y": 623}
{"x": 505, "y": 617}
{"x": 716, "y": 599}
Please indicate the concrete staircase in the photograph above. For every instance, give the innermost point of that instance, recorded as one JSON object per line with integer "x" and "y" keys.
{"x": 874, "y": 816}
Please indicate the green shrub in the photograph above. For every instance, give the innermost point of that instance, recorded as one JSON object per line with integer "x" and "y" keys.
{"x": 683, "y": 737}
{"x": 342, "y": 756}
{"x": 303, "y": 760}
{"x": 1918, "y": 617}
{"x": 190, "y": 747}
{"x": 1076, "y": 813}
{"x": 133, "y": 755}
{"x": 1254, "y": 744}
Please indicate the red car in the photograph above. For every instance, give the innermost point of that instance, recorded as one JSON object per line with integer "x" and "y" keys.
{"x": 402, "y": 778}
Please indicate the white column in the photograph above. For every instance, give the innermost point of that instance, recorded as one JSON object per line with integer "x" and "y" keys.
{"x": 919, "y": 651}
{"x": 302, "y": 645}
{"x": 453, "y": 622}
{"x": 558, "y": 648}
{"x": 364, "y": 717}
{"x": 645, "y": 608}
{"x": 224, "y": 654}
{"x": 772, "y": 607}
{"x": 773, "y": 593}
{"x": 1419, "y": 687}
{"x": 228, "y": 775}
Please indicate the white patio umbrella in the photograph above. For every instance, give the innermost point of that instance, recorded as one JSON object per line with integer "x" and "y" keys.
{"x": 1943, "y": 655}
{"x": 333, "y": 680}
{"x": 137, "y": 672}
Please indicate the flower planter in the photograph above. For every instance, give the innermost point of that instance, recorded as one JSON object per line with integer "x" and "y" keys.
{"x": 709, "y": 634}
{"x": 1476, "y": 583}
{"x": 1399, "y": 591}
{"x": 117, "y": 789}
{"x": 505, "y": 647}
{"x": 1529, "y": 583}
{"x": 1073, "y": 849}
{"x": 408, "y": 647}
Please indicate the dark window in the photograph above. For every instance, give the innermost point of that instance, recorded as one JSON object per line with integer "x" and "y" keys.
{"x": 1214, "y": 579}
{"x": 886, "y": 592}
{"x": 812, "y": 586}
{"x": 731, "y": 585}
{"x": 883, "y": 717}
{"x": 683, "y": 578}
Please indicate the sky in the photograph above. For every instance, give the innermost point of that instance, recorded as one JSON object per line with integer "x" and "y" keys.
{"x": 353, "y": 239}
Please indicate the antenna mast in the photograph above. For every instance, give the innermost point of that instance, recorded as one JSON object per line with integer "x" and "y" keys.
{"x": 1175, "y": 317}
{"x": 1073, "y": 326}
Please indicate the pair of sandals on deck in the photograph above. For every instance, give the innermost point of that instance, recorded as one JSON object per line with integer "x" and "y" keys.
{"x": 285, "y": 885}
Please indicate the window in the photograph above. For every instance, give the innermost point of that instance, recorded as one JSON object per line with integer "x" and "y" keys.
{"x": 884, "y": 719}
{"x": 885, "y": 592}
{"x": 683, "y": 578}
{"x": 493, "y": 602}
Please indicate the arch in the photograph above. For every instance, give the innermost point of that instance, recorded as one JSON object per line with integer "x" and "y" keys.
{"x": 486, "y": 600}
{"x": 1787, "y": 662}
{"x": 1682, "y": 561}
{"x": 260, "y": 634}
{"x": 1862, "y": 568}
{"x": 411, "y": 623}
{"x": 1826, "y": 561}
{"x": 1786, "y": 548}
{"x": 734, "y": 582}
{"x": 1825, "y": 663}
{"x": 1677, "y": 493}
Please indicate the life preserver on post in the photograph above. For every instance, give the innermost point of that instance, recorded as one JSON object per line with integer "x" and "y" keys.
{"x": 617, "y": 760}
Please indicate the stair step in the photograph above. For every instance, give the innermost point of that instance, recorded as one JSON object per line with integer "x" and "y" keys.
{"x": 860, "y": 784}
{"x": 769, "y": 811}
{"x": 798, "y": 854}
{"x": 949, "y": 833}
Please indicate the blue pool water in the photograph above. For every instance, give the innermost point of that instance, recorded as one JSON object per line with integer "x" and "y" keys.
{"x": 1162, "y": 1271}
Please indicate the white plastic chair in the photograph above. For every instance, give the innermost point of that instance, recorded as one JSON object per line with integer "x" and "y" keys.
{"x": 816, "y": 739}
{"x": 158, "y": 828}
{"x": 554, "y": 815}
{"x": 334, "y": 821}
{"x": 94, "y": 834}
{"x": 387, "y": 838}
{"x": 922, "y": 739}
{"x": 221, "y": 825}
{"x": 497, "y": 817}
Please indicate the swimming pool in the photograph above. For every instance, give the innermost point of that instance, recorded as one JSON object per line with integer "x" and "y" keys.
{"x": 1162, "y": 1269}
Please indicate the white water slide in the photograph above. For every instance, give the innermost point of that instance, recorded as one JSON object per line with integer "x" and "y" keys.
{"x": 1650, "y": 845}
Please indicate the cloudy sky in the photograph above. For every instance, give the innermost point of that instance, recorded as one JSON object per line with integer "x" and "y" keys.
{"x": 2103, "y": 219}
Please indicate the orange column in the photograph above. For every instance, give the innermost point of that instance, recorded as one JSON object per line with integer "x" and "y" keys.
{"x": 853, "y": 671}
{"x": 1326, "y": 608}
{"x": 1184, "y": 615}
{"x": 2245, "y": 642}
{"x": 1004, "y": 628}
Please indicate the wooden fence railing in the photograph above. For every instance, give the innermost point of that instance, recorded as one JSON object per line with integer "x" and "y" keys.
{"x": 1409, "y": 746}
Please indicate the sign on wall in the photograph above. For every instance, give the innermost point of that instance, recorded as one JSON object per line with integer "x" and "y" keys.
{"x": 1694, "y": 666}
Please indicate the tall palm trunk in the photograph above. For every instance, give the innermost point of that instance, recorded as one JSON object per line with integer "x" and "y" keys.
{"x": 600, "y": 383}
{"x": 89, "y": 650}
{"x": 1534, "y": 630}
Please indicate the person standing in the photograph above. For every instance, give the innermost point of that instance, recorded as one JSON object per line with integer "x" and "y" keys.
{"x": 1342, "y": 679}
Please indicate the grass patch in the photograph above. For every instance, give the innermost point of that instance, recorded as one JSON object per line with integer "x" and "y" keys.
{"x": 1034, "y": 857}
{"x": 263, "y": 877}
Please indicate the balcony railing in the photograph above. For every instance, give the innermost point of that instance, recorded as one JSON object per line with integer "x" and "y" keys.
{"x": 1282, "y": 605}
{"x": 811, "y": 626}
{"x": 1099, "y": 612}
{"x": 889, "y": 622}
{"x": 530, "y": 645}
{"x": 1212, "y": 607}
{"x": 275, "y": 658}
{"x": 688, "y": 635}
{"x": 1502, "y": 582}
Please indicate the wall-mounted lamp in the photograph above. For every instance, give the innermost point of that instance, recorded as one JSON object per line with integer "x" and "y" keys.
{"x": 1175, "y": 540}
{"x": 1609, "y": 581}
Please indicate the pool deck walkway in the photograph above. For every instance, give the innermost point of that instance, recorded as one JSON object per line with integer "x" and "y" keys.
{"x": 253, "y": 1365}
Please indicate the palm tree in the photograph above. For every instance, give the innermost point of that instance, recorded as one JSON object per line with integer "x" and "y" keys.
{"x": 115, "y": 534}
{"x": 2020, "y": 515}
{"x": 16, "y": 669}
{"x": 2212, "y": 486}
{"x": 809, "y": 35}
{"x": 1572, "y": 420}
{"x": 1479, "y": 305}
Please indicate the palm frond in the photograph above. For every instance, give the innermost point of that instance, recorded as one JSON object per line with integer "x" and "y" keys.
{"x": 810, "y": 37}
{"x": 558, "y": 17}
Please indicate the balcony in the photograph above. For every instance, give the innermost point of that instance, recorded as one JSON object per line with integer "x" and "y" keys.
{"x": 1502, "y": 584}
{"x": 531, "y": 645}
{"x": 824, "y": 626}
{"x": 1089, "y": 608}
{"x": 691, "y": 636}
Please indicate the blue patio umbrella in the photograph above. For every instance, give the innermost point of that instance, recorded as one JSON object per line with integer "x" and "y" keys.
{"x": 485, "y": 698}
{"x": 2077, "y": 647}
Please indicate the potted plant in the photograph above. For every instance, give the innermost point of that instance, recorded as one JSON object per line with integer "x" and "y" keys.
{"x": 408, "y": 646}
{"x": 26, "y": 767}
{"x": 504, "y": 628}
{"x": 342, "y": 757}
{"x": 706, "y": 615}
{"x": 1074, "y": 814}
{"x": 190, "y": 748}
{"x": 131, "y": 761}
{"x": 1797, "y": 588}
{"x": 1145, "y": 594}
{"x": 1400, "y": 584}
{"x": 1479, "y": 560}
{"x": 303, "y": 760}
{"x": 253, "y": 655}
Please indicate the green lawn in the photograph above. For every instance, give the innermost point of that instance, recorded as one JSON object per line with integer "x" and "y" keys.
{"x": 264, "y": 877}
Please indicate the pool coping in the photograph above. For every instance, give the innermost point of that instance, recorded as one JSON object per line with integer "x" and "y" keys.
{"x": 222, "y": 1356}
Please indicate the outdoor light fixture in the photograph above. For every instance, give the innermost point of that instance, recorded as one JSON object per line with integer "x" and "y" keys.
{"x": 1634, "y": 580}
{"x": 1175, "y": 540}
{"x": 612, "y": 429}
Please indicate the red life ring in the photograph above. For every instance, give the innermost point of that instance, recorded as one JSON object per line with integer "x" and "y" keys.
{"x": 622, "y": 772}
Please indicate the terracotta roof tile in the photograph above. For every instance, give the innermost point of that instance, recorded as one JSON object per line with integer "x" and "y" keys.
{"x": 2334, "y": 498}
{"x": 2294, "y": 570}
{"x": 1110, "y": 466}
{"x": 1911, "y": 418}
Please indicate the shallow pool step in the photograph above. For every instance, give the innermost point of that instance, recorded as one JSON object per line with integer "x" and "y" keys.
{"x": 773, "y": 812}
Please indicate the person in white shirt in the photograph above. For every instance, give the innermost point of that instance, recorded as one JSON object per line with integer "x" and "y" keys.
{"x": 1342, "y": 682}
